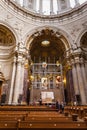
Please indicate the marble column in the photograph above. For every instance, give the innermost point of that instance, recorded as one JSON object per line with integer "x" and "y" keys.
{"x": 40, "y": 6}
{"x": 84, "y": 74}
{"x": 22, "y": 77}
{"x": 75, "y": 80}
{"x": 80, "y": 81}
{"x": 58, "y": 5}
{"x": 25, "y": 83}
{"x": 51, "y": 6}
{"x": 17, "y": 81}
{"x": 12, "y": 81}
{"x": 68, "y": 4}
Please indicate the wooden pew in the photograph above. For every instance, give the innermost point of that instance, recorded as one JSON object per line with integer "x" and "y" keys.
{"x": 45, "y": 124}
{"x": 80, "y": 110}
{"x": 26, "y": 108}
{"x": 44, "y": 112}
{"x": 14, "y": 112}
{"x": 11, "y": 118}
{"x": 53, "y": 119}
{"x": 13, "y": 125}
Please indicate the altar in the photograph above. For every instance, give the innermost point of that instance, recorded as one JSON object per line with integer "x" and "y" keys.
{"x": 47, "y": 97}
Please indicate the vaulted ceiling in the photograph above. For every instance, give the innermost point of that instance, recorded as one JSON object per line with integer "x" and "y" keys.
{"x": 54, "y": 51}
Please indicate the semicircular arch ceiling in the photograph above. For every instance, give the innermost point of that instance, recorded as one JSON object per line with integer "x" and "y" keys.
{"x": 6, "y": 37}
{"x": 46, "y": 46}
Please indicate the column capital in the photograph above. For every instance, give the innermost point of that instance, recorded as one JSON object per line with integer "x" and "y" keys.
{"x": 68, "y": 65}
{"x": 19, "y": 61}
{"x": 20, "y": 54}
{"x": 72, "y": 62}
{"x": 77, "y": 60}
{"x": 23, "y": 60}
{"x": 82, "y": 60}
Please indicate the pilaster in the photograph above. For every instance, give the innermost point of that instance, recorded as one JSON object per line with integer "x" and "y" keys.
{"x": 58, "y": 6}
{"x": 51, "y": 6}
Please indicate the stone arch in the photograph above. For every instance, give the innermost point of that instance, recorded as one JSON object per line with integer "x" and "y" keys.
{"x": 79, "y": 37}
{"x": 8, "y": 40}
{"x": 6, "y": 25}
{"x": 67, "y": 40}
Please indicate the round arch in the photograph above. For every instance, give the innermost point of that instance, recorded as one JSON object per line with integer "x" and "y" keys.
{"x": 64, "y": 37}
{"x": 80, "y": 36}
{"x": 10, "y": 29}
{"x": 67, "y": 39}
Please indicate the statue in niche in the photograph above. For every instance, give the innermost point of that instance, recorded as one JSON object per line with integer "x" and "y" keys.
{"x": 44, "y": 83}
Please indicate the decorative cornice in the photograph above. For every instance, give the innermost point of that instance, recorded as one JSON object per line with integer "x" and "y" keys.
{"x": 6, "y": 52}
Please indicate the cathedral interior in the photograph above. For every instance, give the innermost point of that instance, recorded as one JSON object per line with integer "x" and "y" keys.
{"x": 43, "y": 53}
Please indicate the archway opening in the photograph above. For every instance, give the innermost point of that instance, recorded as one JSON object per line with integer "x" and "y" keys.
{"x": 47, "y": 46}
{"x": 7, "y": 48}
{"x": 47, "y": 52}
{"x": 6, "y": 37}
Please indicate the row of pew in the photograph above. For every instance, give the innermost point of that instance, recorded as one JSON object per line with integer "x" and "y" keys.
{"x": 37, "y": 119}
{"x": 81, "y": 111}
